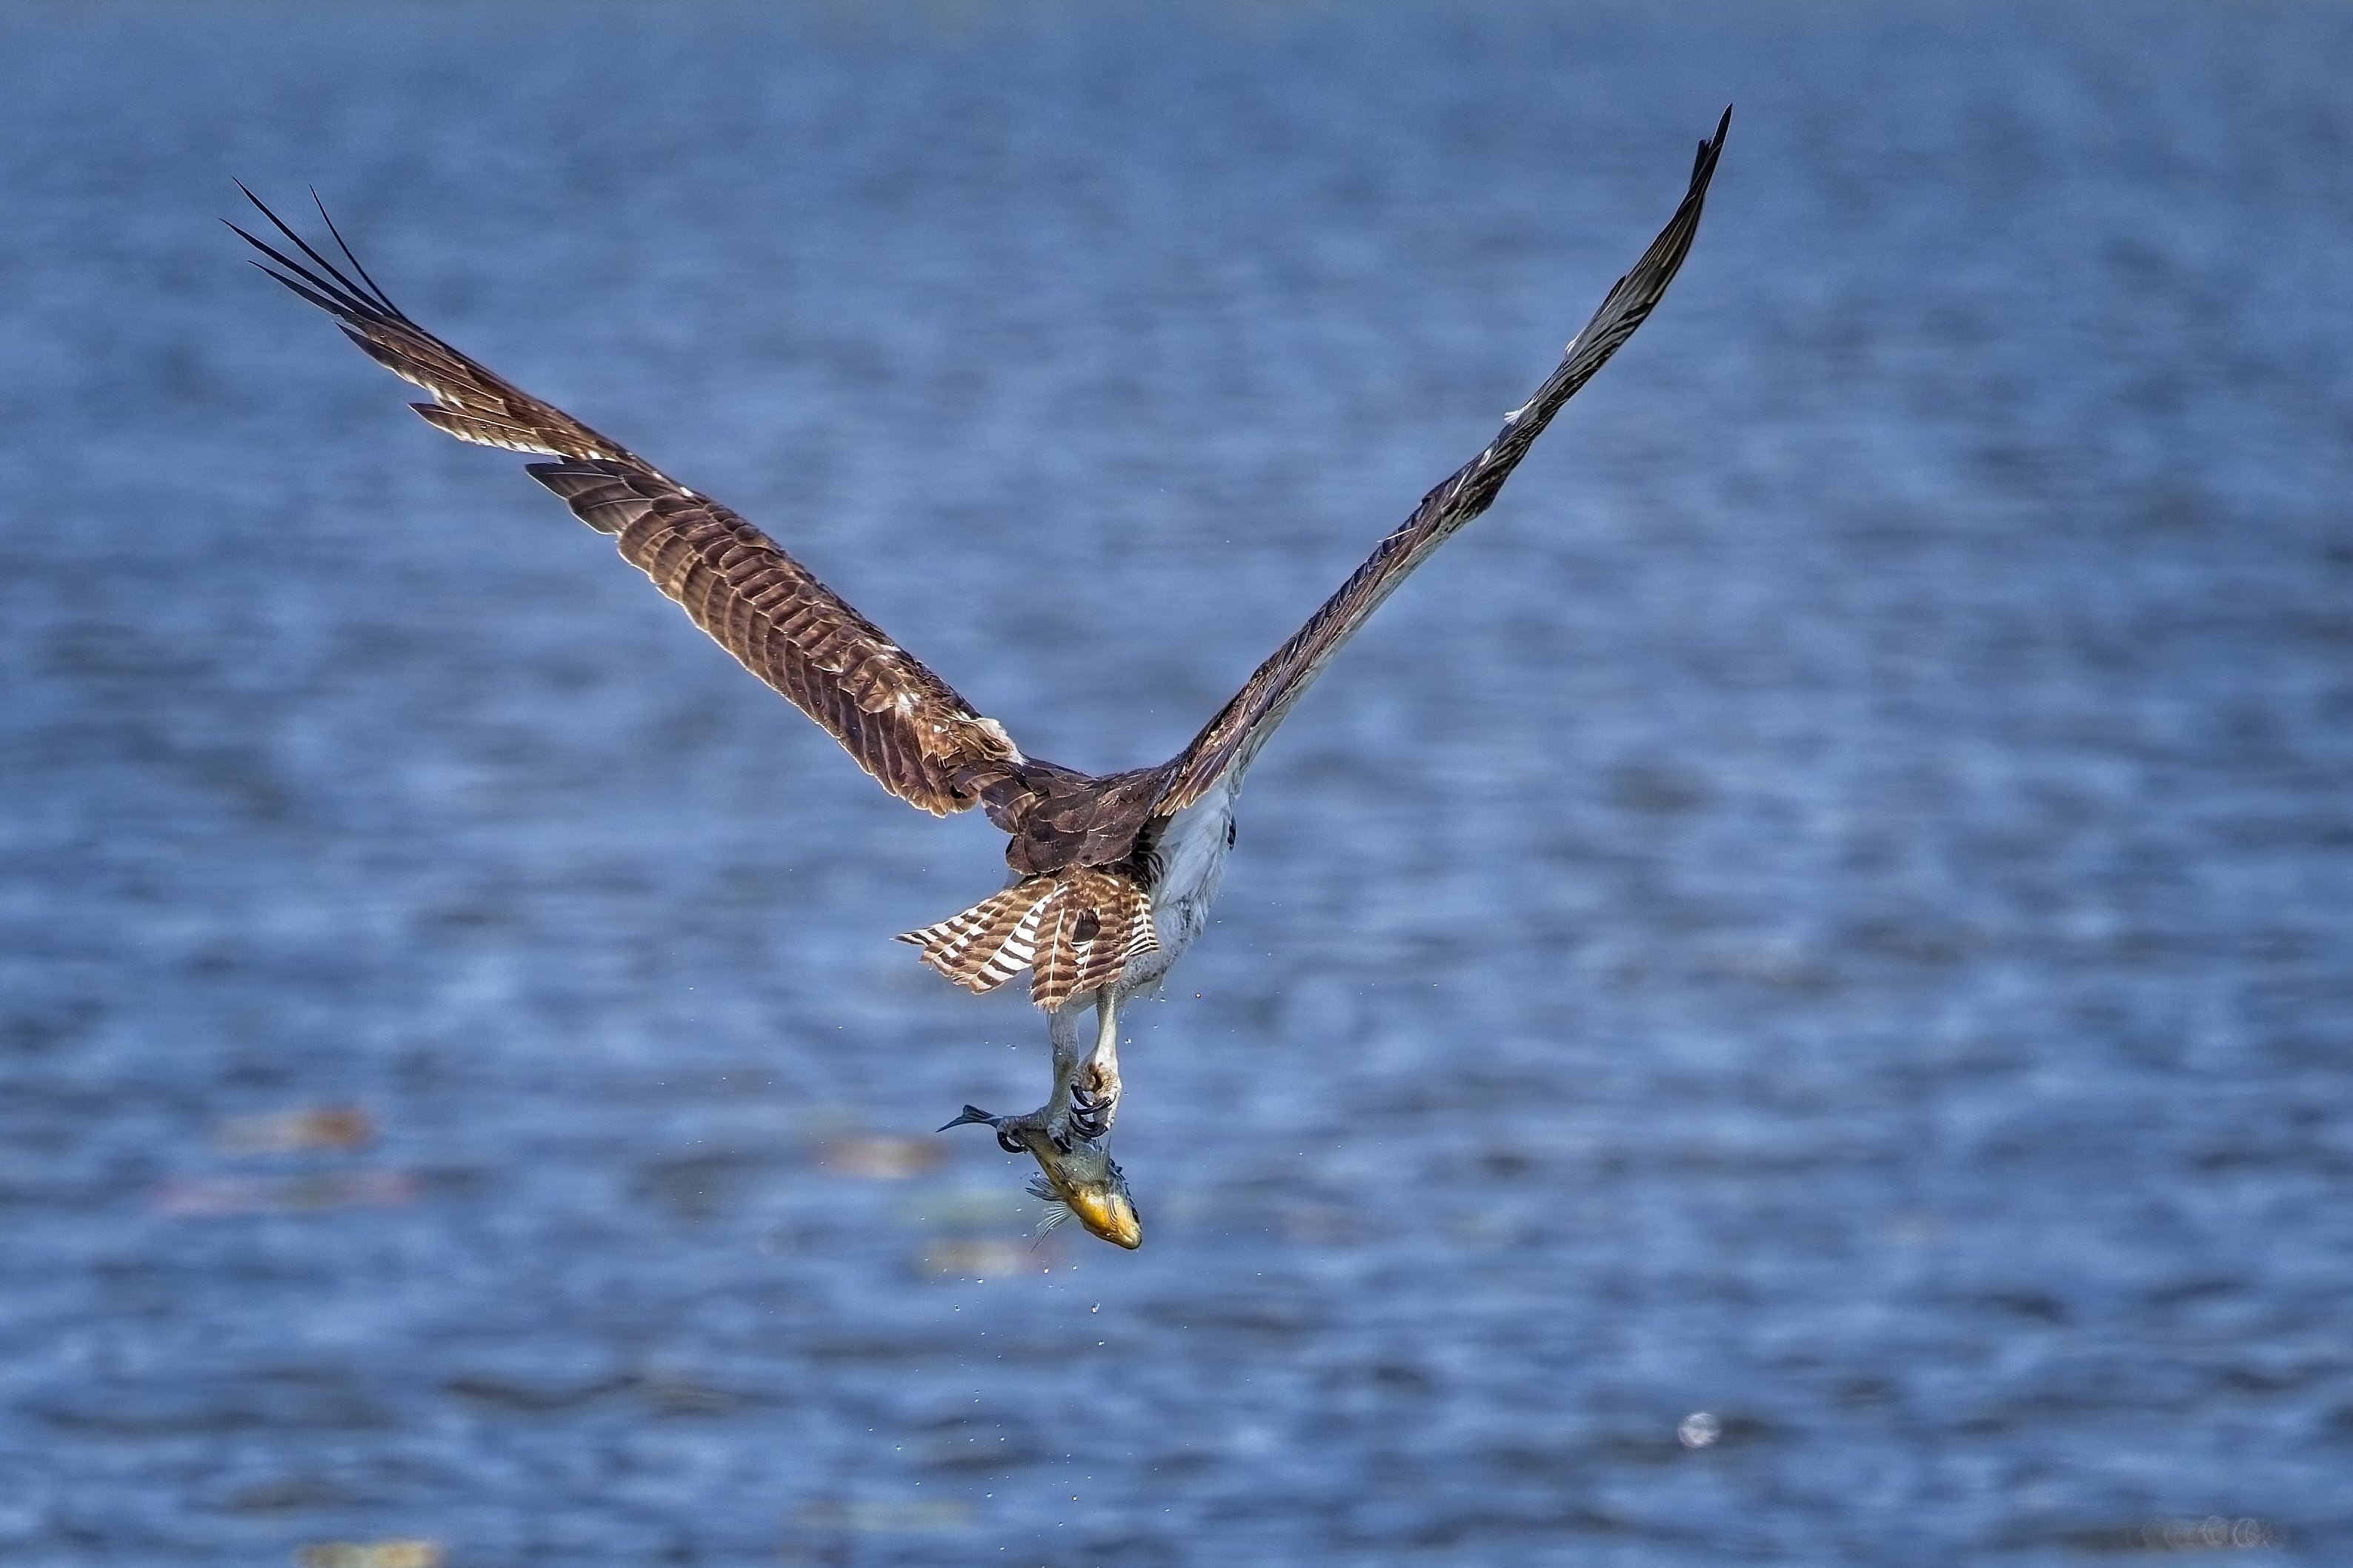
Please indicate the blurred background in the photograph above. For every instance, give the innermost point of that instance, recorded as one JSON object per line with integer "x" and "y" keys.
{"x": 1787, "y": 1002}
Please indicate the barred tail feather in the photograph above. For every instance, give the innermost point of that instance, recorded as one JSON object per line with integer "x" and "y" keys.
{"x": 990, "y": 942}
{"x": 1074, "y": 929}
{"x": 1103, "y": 920}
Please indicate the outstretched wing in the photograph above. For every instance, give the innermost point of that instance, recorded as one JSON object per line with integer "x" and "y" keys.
{"x": 1234, "y": 736}
{"x": 903, "y": 724}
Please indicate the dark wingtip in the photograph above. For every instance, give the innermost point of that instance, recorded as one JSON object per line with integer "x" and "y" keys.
{"x": 381, "y": 296}
{"x": 1705, "y": 165}
{"x": 329, "y": 306}
{"x": 349, "y": 299}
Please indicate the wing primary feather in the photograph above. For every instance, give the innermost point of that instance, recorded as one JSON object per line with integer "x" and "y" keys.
{"x": 906, "y": 727}
{"x": 327, "y": 297}
{"x": 354, "y": 290}
{"x": 357, "y": 266}
{"x": 329, "y": 306}
{"x": 1233, "y": 738}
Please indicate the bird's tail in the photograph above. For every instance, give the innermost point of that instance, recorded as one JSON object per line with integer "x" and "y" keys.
{"x": 1074, "y": 929}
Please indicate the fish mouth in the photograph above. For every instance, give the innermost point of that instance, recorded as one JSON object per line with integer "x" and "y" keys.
{"x": 1101, "y": 1206}
{"x": 1076, "y": 1178}
{"x": 1109, "y": 1216}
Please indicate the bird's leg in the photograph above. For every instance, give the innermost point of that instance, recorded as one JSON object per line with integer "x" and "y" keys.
{"x": 1095, "y": 1085}
{"x": 1065, "y": 1135}
{"x": 1085, "y": 1092}
{"x": 1062, "y": 1029}
{"x": 1051, "y": 1121}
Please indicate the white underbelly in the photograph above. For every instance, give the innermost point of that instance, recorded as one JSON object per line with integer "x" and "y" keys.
{"x": 1192, "y": 863}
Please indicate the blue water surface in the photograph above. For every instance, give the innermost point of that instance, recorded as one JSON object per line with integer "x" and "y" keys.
{"x": 1831, "y": 908}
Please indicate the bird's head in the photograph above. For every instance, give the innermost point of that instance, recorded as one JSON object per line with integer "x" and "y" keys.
{"x": 1080, "y": 1180}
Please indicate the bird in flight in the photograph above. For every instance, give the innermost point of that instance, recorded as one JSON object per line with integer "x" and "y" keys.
{"x": 1112, "y": 876}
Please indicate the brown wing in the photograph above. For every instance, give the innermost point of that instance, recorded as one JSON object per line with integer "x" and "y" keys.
{"x": 903, "y": 724}
{"x": 1234, "y": 736}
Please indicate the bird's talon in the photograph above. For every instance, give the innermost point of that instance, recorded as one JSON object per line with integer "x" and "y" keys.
{"x": 1092, "y": 1111}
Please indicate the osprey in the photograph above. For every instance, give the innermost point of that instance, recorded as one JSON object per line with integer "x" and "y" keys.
{"x": 1111, "y": 875}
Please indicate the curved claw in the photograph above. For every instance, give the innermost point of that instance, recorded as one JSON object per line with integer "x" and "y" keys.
{"x": 1091, "y": 1113}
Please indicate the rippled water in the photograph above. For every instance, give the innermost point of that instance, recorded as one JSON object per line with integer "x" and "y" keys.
{"x": 1828, "y": 909}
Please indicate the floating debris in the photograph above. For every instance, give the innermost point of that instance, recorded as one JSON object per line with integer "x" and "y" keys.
{"x": 877, "y": 1157}
{"x": 208, "y": 1196}
{"x": 885, "y": 1518}
{"x": 395, "y": 1554}
{"x": 988, "y": 1257}
{"x": 969, "y": 1208}
{"x": 289, "y": 1492}
{"x": 2214, "y": 1533}
{"x": 296, "y": 1131}
{"x": 1319, "y": 1224}
{"x": 1698, "y": 1430}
